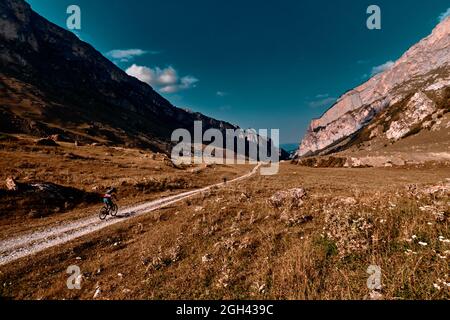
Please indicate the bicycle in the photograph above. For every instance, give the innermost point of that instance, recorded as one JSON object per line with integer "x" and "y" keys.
{"x": 108, "y": 210}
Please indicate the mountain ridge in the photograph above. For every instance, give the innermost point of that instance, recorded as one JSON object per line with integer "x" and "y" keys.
{"x": 418, "y": 65}
{"x": 51, "y": 82}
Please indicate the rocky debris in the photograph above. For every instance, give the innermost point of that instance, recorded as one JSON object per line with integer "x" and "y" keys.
{"x": 322, "y": 162}
{"x": 375, "y": 295}
{"x": 398, "y": 159}
{"x": 78, "y": 144}
{"x": 198, "y": 209}
{"x": 424, "y": 67}
{"x": 11, "y": 184}
{"x": 47, "y": 142}
{"x": 97, "y": 292}
{"x": 60, "y": 138}
{"x": 207, "y": 258}
{"x": 292, "y": 218}
{"x": 441, "y": 189}
{"x": 418, "y": 108}
{"x": 348, "y": 201}
{"x": 244, "y": 197}
{"x": 292, "y": 198}
{"x": 373, "y": 161}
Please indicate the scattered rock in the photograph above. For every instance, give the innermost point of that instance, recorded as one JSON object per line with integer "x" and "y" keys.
{"x": 97, "y": 293}
{"x": 60, "y": 138}
{"x": 47, "y": 142}
{"x": 244, "y": 197}
{"x": 375, "y": 295}
{"x": 292, "y": 218}
{"x": 418, "y": 108}
{"x": 292, "y": 198}
{"x": 350, "y": 201}
{"x": 207, "y": 258}
{"x": 11, "y": 184}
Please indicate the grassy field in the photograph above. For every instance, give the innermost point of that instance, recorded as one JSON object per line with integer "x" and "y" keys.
{"x": 235, "y": 243}
{"x": 138, "y": 175}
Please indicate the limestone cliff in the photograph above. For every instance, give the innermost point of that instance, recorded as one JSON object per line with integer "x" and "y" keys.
{"x": 424, "y": 67}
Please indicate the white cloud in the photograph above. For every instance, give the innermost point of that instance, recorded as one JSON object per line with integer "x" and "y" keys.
{"x": 126, "y": 55}
{"x": 444, "y": 15}
{"x": 325, "y": 102}
{"x": 188, "y": 82}
{"x": 382, "y": 68}
{"x": 164, "y": 80}
{"x": 322, "y": 96}
{"x": 142, "y": 73}
{"x": 221, "y": 93}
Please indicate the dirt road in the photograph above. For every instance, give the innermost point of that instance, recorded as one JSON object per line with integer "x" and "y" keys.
{"x": 32, "y": 243}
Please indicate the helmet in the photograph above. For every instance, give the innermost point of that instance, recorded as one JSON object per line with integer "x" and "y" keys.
{"x": 111, "y": 190}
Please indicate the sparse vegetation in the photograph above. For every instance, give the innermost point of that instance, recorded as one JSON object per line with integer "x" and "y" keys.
{"x": 138, "y": 175}
{"x": 6, "y": 137}
{"x": 229, "y": 243}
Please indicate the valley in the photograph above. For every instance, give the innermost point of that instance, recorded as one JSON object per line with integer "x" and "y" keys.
{"x": 254, "y": 239}
{"x": 358, "y": 210}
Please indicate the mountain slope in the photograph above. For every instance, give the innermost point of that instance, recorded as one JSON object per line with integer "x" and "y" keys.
{"x": 52, "y": 82}
{"x": 414, "y": 89}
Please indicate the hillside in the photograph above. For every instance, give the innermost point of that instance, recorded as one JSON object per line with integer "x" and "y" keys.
{"x": 51, "y": 82}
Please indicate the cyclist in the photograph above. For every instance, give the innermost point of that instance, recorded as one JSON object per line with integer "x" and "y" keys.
{"x": 108, "y": 197}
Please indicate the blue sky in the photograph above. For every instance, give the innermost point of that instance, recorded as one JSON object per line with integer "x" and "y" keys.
{"x": 258, "y": 64}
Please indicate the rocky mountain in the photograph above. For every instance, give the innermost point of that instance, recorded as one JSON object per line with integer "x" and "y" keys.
{"x": 410, "y": 96}
{"x": 51, "y": 82}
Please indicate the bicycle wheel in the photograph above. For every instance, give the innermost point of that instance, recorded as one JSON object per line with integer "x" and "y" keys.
{"x": 103, "y": 213}
{"x": 113, "y": 210}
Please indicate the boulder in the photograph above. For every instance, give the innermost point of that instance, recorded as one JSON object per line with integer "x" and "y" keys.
{"x": 11, "y": 184}
{"x": 60, "y": 138}
{"x": 292, "y": 198}
{"x": 47, "y": 142}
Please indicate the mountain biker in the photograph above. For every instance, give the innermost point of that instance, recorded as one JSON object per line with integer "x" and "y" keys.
{"x": 108, "y": 197}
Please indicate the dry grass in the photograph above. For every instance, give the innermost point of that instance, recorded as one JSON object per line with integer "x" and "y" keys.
{"x": 231, "y": 244}
{"x": 137, "y": 174}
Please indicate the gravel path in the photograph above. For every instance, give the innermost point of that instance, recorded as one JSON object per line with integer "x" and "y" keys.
{"x": 34, "y": 242}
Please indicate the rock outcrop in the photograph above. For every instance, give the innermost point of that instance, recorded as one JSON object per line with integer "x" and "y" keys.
{"x": 39, "y": 199}
{"x": 418, "y": 108}
{"x": 424, "y": 67}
